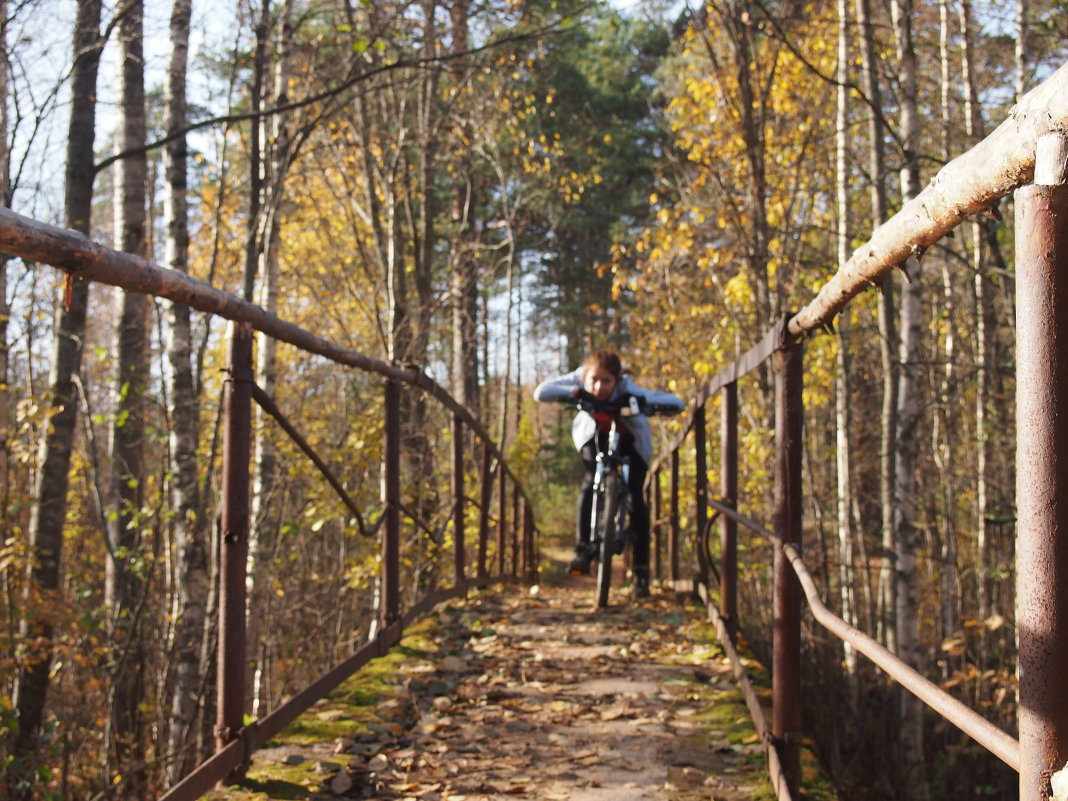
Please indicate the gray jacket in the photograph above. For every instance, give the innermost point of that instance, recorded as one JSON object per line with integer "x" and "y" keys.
{"x": 563, "y": 388}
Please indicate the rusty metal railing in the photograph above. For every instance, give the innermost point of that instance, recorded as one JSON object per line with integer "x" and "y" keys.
{"x": 515, "y": 529}
{"x": 1030, "y": 145}
{"x": 236, "y": 741}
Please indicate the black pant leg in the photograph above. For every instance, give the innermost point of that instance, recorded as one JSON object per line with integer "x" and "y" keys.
{"x": 639, "y": 511}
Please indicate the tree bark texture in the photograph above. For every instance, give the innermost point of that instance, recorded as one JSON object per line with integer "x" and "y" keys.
{"x": 844, "y": 467}
{"x": 465, "y": 309}
{"x": 906, "y": 499}
{"x": 126, "y": 581}
{"x": 191, "y": 569}
{"x": 5, "y": 310}
{"x": 49, "y": 511}
{"x": 276, "y": 142}
{"x": 885, "y": 598}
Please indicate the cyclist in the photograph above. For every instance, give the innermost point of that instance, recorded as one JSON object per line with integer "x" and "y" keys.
{"x": 602, "y": 376}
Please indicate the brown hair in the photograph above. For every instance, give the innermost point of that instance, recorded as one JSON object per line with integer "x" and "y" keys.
{"x": 606, "y": 360}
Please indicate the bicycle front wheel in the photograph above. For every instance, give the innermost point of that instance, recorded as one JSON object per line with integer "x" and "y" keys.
{"x": 609, "y": 533}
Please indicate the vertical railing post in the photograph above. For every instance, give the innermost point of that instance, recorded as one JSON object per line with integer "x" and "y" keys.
{"x": 786, "y": 646}
{"x": 516, "y": 520}
{"x": 458, "y": 497}
{"x": 391, "y": 500}
{"x": 502, "y": 514}
{"x": 529, "y": 560}
{"x": 656, "y": 502}
{"x": 701, "y": 491}
{"x": 237, "y": 448}
{"x": 728, "y": 567}
{"x": 483, "y": 516}
{"x": 1042, "y": 468}
{"x": 673, "y": 530}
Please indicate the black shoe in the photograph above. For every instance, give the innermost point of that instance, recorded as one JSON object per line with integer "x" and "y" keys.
{"x": 580, "y": 565}
{"x": 641, "y": 583}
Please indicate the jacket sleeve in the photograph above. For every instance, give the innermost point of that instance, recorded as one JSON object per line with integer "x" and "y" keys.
{"x": 561, "y": 388}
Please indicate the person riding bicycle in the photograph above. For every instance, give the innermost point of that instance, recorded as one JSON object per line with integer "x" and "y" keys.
{"x": 601, "y": 375}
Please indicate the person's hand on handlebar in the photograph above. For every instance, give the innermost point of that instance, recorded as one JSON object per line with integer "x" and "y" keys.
{"x": 587, "y": 401}
{"x": 628, "y": 405}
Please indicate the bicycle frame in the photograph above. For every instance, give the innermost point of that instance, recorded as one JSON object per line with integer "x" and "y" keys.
{"x": 611, "y": 495}
{"x": 609, "y": 459}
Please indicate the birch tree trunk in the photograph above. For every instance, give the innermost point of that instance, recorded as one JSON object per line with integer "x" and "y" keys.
{"x": 943, "y": 443}
{"x": 908, "y": 407}
{"x": 253, "y": 237}
{"x": 984, "y": 245}
{"x": 1021, "y": 51}
{"x": 842, "y": 422}
{"x": 125, "y": 583}
{"x": 189, "y": 530}
{"x": 275, "y": 140}
{"x": 49, "y": 512}
{"x": 886, "y": 597}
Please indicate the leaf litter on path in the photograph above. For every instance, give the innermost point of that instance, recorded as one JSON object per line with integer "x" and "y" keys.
{"x": 540, "y": 696}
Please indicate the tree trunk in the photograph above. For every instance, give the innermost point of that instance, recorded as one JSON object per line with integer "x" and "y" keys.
{"x": 842, "y": 422}
{"x": 886, "y": 596}
{"x": 276, "y": 143}
{"x": 739, "y": 27}
{"x": 464, "y": 262}
{"x": 125, "y": 585}
{"x": 189, "y": 531}
{"x": 1022, "y": 51}
{"x": 908, "y": 407}
{"x": 983, "y": 234}
{"x": 49, "y": 513}
{"x": 253, "y": 237}
{"x": 5, "y": 310}
{"x": 943, "y": 443}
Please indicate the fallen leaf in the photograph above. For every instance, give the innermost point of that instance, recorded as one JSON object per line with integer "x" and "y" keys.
{"x": 341, "y": 783}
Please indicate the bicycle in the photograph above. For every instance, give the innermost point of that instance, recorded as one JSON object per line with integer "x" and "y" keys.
{"x": 609, "y": 529}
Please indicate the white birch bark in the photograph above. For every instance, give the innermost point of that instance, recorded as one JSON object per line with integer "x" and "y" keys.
{"x": 842, "y": 423}
{"x": 943, "y": 441}
{"x": 973, "y": 126}
{"x": 886, "y": 591}
{"x": 1021, "y": 51}
{"x": 276, "y": 139}
{"x": 191, "y": 568}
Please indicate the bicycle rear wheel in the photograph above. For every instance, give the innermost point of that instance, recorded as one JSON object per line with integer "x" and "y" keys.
{"x": 608, "y": 537}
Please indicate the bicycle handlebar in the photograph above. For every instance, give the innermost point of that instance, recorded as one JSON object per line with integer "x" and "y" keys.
{"x": 626, "y": 405}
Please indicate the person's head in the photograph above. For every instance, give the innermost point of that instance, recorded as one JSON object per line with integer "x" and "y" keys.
{"x": 603, "y": 371}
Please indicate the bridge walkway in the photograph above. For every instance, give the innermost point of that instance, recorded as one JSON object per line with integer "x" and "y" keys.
{"x": 530, "y": 694}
